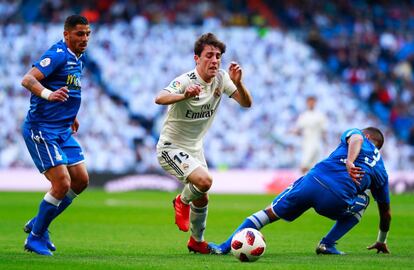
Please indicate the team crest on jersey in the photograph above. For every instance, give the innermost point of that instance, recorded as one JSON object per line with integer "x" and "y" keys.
{"x": 176, "y": 85}
{"x": 45, "y": 62}
{"x": 185, "y": 166}
{"x": 217, "y": 92}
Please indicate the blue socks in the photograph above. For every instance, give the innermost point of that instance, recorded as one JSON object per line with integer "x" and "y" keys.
{"x": 49, "y": 209}
{"x": 256, "y": 221}
{"x": 63, "y": 205}
{"x": 46, "y": 214}
{"x": 341, "y": 227}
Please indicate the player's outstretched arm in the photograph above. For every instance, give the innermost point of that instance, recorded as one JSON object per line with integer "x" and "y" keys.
{"x": 384, "y": 226}
{"x": 31, "y": 81}
{"x": 165, "y": 97}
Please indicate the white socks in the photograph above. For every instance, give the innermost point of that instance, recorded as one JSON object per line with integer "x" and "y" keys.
{"x": 198, "y": 221}
{"x": 190, "y": 193}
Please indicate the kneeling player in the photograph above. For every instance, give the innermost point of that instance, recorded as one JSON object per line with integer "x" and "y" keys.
{"x": 329, "y": 190}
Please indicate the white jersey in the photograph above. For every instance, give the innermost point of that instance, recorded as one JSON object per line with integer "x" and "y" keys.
{"x": 188, "y": 120}
{"x": 312, "y": 124}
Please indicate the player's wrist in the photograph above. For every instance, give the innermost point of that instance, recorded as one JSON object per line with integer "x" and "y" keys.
{"x": 382, "y": 236}
{"x": 45, "y": 93}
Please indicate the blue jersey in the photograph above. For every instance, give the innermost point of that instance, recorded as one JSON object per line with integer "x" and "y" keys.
{"x": 61, "y": 67}
{"x": 332, "y": 171}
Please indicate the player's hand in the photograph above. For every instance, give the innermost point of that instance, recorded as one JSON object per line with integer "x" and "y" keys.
{"x": 235, "y": 72}
{"x": 60, "y": 95}
{"x": 380, "y": 247}
{"x": 192, "y": 91}
{"x": 356, "y": 173}
{"x": 75, "y": 126}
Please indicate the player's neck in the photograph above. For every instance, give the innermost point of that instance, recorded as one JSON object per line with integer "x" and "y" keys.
{"x": 204, "y": 77}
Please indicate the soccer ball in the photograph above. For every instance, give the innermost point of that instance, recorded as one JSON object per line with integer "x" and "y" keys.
{"x": 248, "y": 245}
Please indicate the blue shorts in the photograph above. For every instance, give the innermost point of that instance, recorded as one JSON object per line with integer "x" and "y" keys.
{"x": 50, "y": 149}
{"x": 305, "y": 193}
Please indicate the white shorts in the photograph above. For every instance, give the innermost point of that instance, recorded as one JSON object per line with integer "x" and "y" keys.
{"x": 310, "y": 156}
{"x": 179, "y": 162}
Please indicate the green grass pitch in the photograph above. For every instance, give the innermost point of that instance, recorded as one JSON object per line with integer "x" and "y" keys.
{"x": 135, "y": 230}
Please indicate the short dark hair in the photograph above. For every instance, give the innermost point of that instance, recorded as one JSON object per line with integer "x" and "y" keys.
{"x": 375, "y": 135}
{"x": 74, "y": 20}
{"x": 208, "y": 39}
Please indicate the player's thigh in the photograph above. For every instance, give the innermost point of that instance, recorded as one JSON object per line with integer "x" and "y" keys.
{"x": 177, "y": 162}
{"x": 292, "y": 202}
{"x": 44, "y": 148}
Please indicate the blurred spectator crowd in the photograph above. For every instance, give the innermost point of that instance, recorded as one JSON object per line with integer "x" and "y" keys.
{"x": 138, "y": 51}
{"x": 370, "y": 44}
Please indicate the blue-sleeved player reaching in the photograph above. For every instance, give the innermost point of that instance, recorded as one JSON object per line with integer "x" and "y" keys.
{"x": 336, "y": 188}
{"x": 54, "y": 83}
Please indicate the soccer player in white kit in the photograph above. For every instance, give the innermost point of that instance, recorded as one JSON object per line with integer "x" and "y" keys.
{"x": 194, "y": 98}
{"x": 312, "y": 125}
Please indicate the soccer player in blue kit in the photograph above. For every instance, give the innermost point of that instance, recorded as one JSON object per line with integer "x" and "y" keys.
{"x": 54, "y": 83}
{"x": 336, "y": 188}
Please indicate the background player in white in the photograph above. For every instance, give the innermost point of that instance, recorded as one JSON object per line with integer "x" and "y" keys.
{"x": 194, "y": 98}
{"x": 312, "y": 125}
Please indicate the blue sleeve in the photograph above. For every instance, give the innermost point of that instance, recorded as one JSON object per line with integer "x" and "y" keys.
{"x": 51, "y": 60}
{"x": 381, "y": 194}
{"x": 379, "y": 184}
{"x": 349, "y": 133}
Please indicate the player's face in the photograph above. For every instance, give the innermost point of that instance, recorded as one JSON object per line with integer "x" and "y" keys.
{"x": 77, "y": 38}
{"x": 208, "y": 63}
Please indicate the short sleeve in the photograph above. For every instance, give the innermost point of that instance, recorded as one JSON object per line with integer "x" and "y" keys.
{"x": 381, "y": 194}
{"x": 177, "y": 85}
{"x": 349, "y": 133}
{"x": 50, "y": 60}
{"x": 228, "y": 86}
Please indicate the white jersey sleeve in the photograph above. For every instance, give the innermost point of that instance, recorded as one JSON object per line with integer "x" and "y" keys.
{"x": 178, "y": 85}
{"x": 228, "y": 85}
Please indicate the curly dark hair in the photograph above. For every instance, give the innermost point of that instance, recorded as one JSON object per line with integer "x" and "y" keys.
{"x": 208, "y": 39}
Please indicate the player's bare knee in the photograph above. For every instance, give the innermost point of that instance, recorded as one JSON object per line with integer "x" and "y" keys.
{"x": 84, "y": 182}
{"x": 61, "y": 187}
{"x": 204, "y": 183}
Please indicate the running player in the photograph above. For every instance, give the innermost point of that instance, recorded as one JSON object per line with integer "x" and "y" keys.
{"x": 55, "y": 86}
{"x": 194, "y": 98}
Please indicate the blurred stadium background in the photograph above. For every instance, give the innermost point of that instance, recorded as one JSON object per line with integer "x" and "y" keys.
{"x": 356, "y": 56}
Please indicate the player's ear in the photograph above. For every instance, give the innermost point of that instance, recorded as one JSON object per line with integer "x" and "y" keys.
{"x": 196, "y": 59}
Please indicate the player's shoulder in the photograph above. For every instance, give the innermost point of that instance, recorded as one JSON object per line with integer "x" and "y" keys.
{"x": 58, "y": 50}
{"x": 188, "y": 76}
{"x": 223, "y": 74}
{"x": 352, "y": 131}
